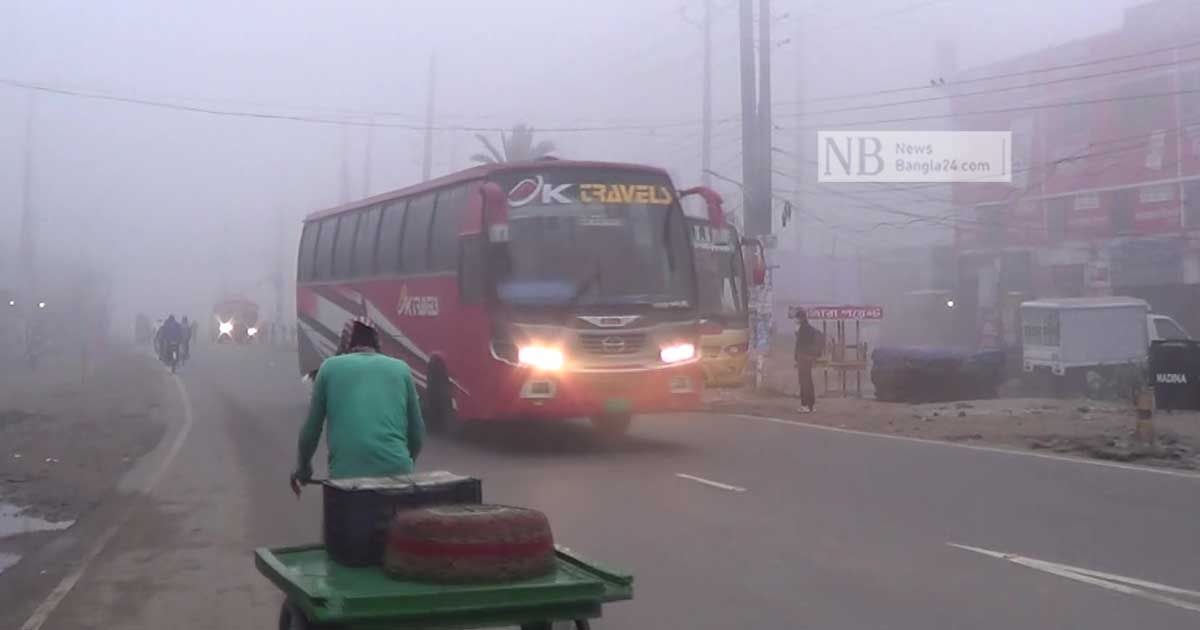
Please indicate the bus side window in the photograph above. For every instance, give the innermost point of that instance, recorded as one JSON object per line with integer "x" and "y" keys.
{"x": 471, "y": 276}
{"x": 308, "y": 249}
{"x": 343, "y": 247}
{"x": 415, "y": 244}
{"x": 390, "y": 230}
{"x": 364, "y": 243}
{"x": 443, "y": 241}
{"x": 324, "y": 258}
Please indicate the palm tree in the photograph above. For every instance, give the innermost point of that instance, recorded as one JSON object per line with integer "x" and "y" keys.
{"x": 517, "y": 146}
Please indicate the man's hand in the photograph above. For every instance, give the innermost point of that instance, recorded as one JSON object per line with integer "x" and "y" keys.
{"x": 297, "y": 483}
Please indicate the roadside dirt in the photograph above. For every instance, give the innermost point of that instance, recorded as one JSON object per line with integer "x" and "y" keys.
{"x": 1080, "y": 427}
{"x": 65, "y": 440}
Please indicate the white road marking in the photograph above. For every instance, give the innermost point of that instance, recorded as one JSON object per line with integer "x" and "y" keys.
{"x": 974, "y": 447}
{"x": 710, "y": 482}
{"x": 48, "y": 605}
{"x": 1118, "y": 583}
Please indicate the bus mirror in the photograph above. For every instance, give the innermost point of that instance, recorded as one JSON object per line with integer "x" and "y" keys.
{"x": 495, "y": 212}
{"x": 712, "y": 202}
{"x": 756, "y": 260}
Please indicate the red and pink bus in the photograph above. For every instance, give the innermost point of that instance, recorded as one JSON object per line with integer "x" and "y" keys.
{"x": 542, "y": 290}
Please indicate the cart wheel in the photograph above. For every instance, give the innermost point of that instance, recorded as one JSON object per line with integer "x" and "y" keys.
{"x": 291, "y": 618}
{"x": 583, "y": 624}
{"x": 538, "y": 625}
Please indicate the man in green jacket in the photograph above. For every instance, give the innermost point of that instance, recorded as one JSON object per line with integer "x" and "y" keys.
{"x": 370, "y": 401}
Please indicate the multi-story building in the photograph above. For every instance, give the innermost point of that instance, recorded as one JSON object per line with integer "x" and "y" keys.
{"x": 1105, "y": 195}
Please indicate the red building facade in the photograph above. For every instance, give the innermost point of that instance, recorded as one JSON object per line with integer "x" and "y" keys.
{"x": 1105, "y": 197}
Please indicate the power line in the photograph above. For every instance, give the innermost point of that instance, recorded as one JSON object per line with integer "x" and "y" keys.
{"x": 1003, "y": 110}
{"x": 998, "y": 90}
{"x": 1070, "y": 158}
{"x": 875, "y": 17}
{"x": 161, "y": 104}
{"x": 992, "y": 77}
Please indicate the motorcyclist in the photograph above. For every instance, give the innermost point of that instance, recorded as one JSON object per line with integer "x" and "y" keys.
{"x": 369, "y": 401}
{"x": 169, "y": 335}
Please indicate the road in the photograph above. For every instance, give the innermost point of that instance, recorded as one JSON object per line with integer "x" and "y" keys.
{"x": 801, "y": 527}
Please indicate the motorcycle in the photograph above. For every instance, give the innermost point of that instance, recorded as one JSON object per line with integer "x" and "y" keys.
{"x": 170, "y": 355}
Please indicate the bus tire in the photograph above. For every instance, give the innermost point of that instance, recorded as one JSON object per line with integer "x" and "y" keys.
{"x": 612, "y": 427}
{"x": 441, "y": 416}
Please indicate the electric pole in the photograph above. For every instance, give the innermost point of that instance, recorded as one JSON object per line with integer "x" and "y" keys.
{"x": 28, "y": 246}
{"x": 427, "y": 160}
{"x": 765, "y": 190}
{"x": 750, "y": 203}
{"x": 367, "y": 150}
{"x": 706, "y": 142}
{"x": 801, "y": 144}
{"x": 344, "y": 195}
{"x": 281, "y": 240}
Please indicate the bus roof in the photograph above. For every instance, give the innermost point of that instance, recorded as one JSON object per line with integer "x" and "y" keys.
{"x": 478, "y": 172}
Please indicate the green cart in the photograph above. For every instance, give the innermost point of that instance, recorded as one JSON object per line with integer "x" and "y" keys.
{"x": 322, "y": 594}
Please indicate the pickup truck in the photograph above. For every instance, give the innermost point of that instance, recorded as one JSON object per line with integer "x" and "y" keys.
{"x": 1069, "y": 337}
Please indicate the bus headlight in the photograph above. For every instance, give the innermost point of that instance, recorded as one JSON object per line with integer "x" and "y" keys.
{"x": 677, "y": 352}
{"x": 226, "y": 328}
{"x": 251, "y": 331}
{"x": 540, "y": 357}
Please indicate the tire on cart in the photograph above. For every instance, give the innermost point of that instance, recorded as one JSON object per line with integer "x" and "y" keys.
{"x": 443, "y": 544}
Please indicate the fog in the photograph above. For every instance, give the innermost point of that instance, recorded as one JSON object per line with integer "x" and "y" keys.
{"x": 177, "y": 207}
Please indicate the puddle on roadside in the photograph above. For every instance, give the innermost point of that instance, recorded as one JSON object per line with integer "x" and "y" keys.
{"x": 13, "y": 521}
{"x": 7, "y": 560}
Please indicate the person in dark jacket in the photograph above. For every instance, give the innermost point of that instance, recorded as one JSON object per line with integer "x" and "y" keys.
{"x": 810, "y": 344}
{"x": 168, "y": 335}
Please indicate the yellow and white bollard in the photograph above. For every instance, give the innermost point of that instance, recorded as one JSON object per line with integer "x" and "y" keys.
{"x": 1143, "y": 432}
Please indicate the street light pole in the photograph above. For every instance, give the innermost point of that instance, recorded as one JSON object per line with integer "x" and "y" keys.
{"x": 750, "y": 154}
{"x": 28, "y": 244}
{"x": 706, "y": 142}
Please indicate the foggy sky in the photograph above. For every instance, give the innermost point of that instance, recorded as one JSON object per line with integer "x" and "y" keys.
{"x": 179, "y": 205}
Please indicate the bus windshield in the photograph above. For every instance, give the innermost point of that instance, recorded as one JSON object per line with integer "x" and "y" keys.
{"x": 596, "y": 238}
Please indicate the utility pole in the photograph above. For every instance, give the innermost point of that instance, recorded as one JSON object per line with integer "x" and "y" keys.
{"x": 427, "y": 160}
{"x": 281, "y": 247}
{"x": 706, "y": 142}
{"x": 750, "y": 202}
{"x": 368, "y": 148}
{"x": 801, "y": 142}
{"x": 28, "y": 246}
{"x": 344, "y": 196}
{"x": 765, "y": 190}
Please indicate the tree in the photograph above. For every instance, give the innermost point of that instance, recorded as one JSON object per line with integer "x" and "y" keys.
{"x": 516, "y": 146}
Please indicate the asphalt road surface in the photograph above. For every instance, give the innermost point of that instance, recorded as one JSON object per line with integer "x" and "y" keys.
{"x": 727, "y": 522}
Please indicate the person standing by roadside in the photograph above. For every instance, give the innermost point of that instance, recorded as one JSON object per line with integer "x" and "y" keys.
{"x": 810, "y": 344}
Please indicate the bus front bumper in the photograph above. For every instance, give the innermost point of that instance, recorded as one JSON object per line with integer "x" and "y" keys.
{"x": 542, "y": 395}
